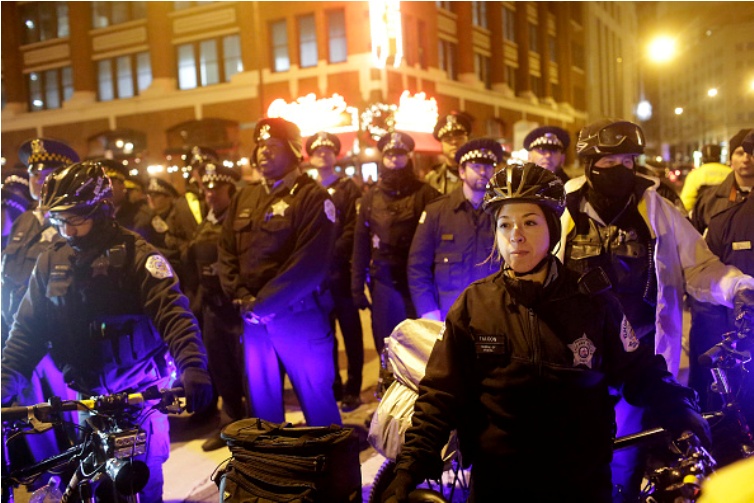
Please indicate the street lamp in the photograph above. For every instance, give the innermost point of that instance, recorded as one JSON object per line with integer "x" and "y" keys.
{"x": 712, "y": 92}
{"x": 678, "y": 110}
{"x": 662, "y": 49}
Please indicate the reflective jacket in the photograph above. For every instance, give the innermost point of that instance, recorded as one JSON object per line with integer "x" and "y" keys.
{"x": 683, "y": 263}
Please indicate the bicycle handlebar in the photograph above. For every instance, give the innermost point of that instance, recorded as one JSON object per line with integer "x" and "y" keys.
{"x": 117, "y": 401}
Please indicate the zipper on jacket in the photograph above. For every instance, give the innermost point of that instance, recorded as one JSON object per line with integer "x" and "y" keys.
{"x": 536, "y": 343}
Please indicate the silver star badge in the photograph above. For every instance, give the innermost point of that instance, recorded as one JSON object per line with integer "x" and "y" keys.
{"x": 279, "y": 208}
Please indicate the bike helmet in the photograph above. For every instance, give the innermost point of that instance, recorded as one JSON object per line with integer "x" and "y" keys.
{"x": 610, "y": 136}
{"x": 528, "y": 183}
{"x": 82, "y": 188}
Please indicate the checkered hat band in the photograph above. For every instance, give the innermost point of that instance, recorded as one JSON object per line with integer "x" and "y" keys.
{"x": 10, "y": 203}
{"x": 16, "y": 179}
{"x": 49, "y": 156}
{"x": 549, "y": 140}
{"x": 321, "y": 142}
{"x": 449, "y": 128}
{"x": 217, "y": 178}
{"x": 481, "y": 153}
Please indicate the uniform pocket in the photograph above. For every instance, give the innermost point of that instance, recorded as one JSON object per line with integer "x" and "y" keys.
{"x": 449, "y": 271}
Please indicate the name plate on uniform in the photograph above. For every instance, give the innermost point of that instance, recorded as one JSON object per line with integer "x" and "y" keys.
{"x": 741, "y": 245}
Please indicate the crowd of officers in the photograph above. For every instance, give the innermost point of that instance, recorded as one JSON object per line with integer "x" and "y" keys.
{"x": 236, "y": 285}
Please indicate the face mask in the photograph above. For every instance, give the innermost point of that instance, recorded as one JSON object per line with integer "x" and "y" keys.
{"x": 616, "y": 182}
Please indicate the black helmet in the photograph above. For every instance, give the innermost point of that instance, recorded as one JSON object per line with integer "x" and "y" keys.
{"x": 610, "y": 136}
{"x": 81, "y": 188}
{"x": 528, "y": 184}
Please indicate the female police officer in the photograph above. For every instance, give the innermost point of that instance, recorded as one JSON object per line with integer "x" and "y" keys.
{"x": 523, "y": 364}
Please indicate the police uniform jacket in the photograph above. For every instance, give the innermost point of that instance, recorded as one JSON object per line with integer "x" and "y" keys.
{"x": 385, "y": 227}
{"x": 713, "y": 200}
{"x": 442, "y": 179}
{"x": 105, "y": 317}
{"x": 344, "y": 194}
{"x": 682, "y": 263}
{"x": 202, "y": 254}
{"x": 135, "y": 216}
{"x": 28, "y": 239}
{"x": 450, "y": 250}
{"x": 524, "y": 378}
{"x": 278, "y": 246}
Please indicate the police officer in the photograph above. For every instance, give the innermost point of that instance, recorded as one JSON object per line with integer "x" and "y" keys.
{"x": 15, "y": 199}
{"x": 385, "y": 226}
{"x": 711, "y": 173}
{"x": 617, "y": 221}
{"x": 547, "y": 147}
{"x": 323, "y": 149}
{"x": 134, "y": 216}
{"x": 30, "y": 235}
{"x": 733, "y": 189}
{"x": 275, "y": 250}
{"x": 454, "y": 240}
{"x": 452, "y": 131}
{"x": 106, "y": 305}
{"x": 222, "y": 326}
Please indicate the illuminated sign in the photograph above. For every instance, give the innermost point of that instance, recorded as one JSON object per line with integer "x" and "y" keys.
{"x": 312, "y": 115}
{"x": 414, "y": 113}
{"x": 387, "y": 32}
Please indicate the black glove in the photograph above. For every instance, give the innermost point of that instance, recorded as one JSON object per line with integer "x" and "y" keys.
{"x": 361, "y": 302}
{"x": 687, "y": 419}
{"x": 245, "y": 304}
{"x": 197, "y": 386}
{"x": 399, "y": 488}
{"x": 743, "y": 309}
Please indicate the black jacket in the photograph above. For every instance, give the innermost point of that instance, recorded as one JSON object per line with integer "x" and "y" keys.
{"x": 527, "y": 389}
{"x": 277, "y": 247}
{"x": 450, "y": 250}
{"x": 713, "y": 200}
{"x": 106, "y": 318}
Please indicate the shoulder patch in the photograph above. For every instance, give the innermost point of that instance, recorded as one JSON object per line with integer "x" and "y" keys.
{"x": 158, "y": 267}
{"x": 330, "y": 210}
{"x": 628, "y": 336}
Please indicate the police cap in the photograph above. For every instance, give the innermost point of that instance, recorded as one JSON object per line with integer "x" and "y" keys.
{"x": 452, "y": 122}
{"x": 481, "y": 150}
{"x": 160, "y": 186}
{"x": 44, "y": 153}
{"x": 198, "y": 154}
{"x": 322, "y": 139}
{"x": 214, "y": 174}
{"x": 114, "y": 169}
{"x": 281, "y": 129}
{"x": 550, "y": 137}
{"x": 396, "y": 141}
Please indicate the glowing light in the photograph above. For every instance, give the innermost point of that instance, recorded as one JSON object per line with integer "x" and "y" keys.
{"x": 312, "y": 173}
{"x": 135, "y": 172}
{"x": 119, "y": 143}
{"x": 678, "y": 110}
{"x": 751, "y": 85}
{"x": 387, "y": 32}
{"x": 350, "y": 171}
{"x": 311, "y": 114}
{"x": 2, "y": 161}
{"x": 416, "y": 113}
{"x": 712, "y": 92}
{"x": 644, "y": 110}
{"x": 662, "y": 49}
{"x": 38, "y": 103}
{"x": 155, "y": 168}
{"x": 243, "y": 161}
{"x": 128, "y": 147}
{"x": 228, "y": 164}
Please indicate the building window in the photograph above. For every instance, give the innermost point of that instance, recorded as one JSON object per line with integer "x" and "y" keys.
{"x": 447, "y": 56}
{"x": 50, "y": 88}
{"x": 186, "y": 5}
{"x": 44, "y": 21}
{"x": 555, "y": 91}
{"x": 536, "y": 85}
{"x": 336, "y": 33}
{"x": 124, "y": 76}
{"x": 509, "y": 24}
{"x": 445, "y": 5}
{"x": 510, "y": 77}
{"x": 106, "y": 14}
{"x": 482, "y": 70}
{"x": 280, "y": 60}
{"x": 307, "y": 41}
{"x": 552, "y": 48}
{"x": 209, "y": 62}
{"x": 533, "y": 38}
{"x": 479, "y": 14}
{"x": 577, "y": 55}
{"x": 422, "y": 34}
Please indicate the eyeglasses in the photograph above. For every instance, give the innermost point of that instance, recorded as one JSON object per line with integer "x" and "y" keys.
{"x": 73, "y": 221}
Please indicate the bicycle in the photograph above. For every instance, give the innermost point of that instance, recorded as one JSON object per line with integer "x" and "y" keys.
{"x": 111, "y": 439}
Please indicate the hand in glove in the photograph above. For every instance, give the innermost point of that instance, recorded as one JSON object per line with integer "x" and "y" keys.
{"x": 399, "y": 488}
{"x": 361, "y": 302}
{"x": 687, "y": 419}
{"x": 197, "y": 386}
{"x": 743, "y": 309}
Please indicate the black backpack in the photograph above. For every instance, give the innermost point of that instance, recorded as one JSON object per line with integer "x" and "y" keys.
{"x": 279, "y": 463}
